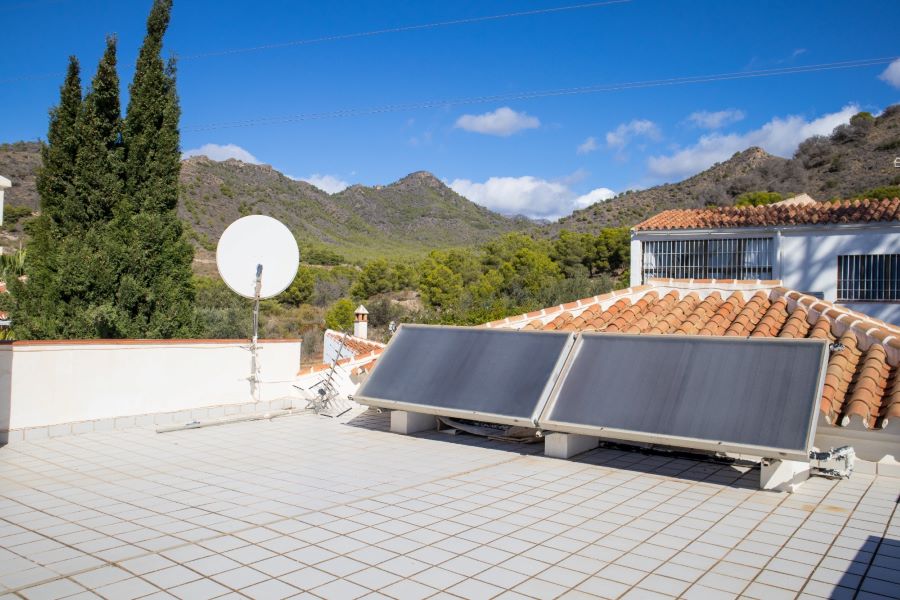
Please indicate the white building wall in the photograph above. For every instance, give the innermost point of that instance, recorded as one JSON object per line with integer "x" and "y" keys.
{"x": 805, "y": 257}
{"x": 4, "y": 184}
{"x": 809, "y": 263}
{"x": 44, "y": 384}
{"x": 331, "y": 348}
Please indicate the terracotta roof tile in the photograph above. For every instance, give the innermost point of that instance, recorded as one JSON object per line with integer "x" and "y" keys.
{"x": 355, "y": 345}
{"x": 855, "y": 211}
{"x": 860, "y": 384}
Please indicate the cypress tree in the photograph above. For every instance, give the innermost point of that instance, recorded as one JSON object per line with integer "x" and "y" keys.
{"x": 156, "y": 288}
{"x": 56, "y": 177}
{"x": 98, "y": 167}
{"x": 108, "y": 257}
{"x": 37, "y": 308}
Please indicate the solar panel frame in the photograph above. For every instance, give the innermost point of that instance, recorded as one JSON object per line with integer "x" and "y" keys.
{"x": 489, "y": 417}
{"x": 549, "y": 424}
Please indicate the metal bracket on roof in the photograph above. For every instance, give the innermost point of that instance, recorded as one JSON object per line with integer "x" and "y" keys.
{"x": 837, "y": 463}
{"x": 836, "y": 347}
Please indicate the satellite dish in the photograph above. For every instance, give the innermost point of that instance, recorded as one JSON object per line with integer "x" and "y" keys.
{"x": 251, "y": 242}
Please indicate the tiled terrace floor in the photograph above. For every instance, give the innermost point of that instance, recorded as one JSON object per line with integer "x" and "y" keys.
{"x": 305, "y": 506}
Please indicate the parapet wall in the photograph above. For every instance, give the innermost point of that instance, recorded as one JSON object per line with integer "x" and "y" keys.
{"x": 46, "y": 386}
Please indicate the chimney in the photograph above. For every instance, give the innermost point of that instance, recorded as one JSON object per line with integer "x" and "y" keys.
{"x": 361, "y": 322}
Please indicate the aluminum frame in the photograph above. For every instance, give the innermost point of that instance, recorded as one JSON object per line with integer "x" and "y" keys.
{"x": 499, "y": 419}
{"x": 545, "y": 422}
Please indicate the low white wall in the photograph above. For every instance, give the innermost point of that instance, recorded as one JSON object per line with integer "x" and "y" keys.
{"x": 47, "y": 383}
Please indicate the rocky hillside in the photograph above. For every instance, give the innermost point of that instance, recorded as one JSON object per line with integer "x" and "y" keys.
{"x": 406, "y": 218}
{"x": 19, "y": 163}
{"x": 418, "y": 213}
{"x": 854, "y": 158}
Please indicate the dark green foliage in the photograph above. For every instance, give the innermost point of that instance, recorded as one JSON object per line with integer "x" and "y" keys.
{"x": 339, "y": 316}
{"x": 108, "y": 258}
{"x": 13, "y": 214}
{"x": 156, "y": 287}
{"x": 375, "y": 278}
{"x": 891, "y": 191}
{"x": 317, "y": 255}
{"x": 98, "y": 165}
{"x": 221, "y": 313}
{"x": 152, "y": 157}
{"x": 56, "y": 178}
{"x": 758, "y": 198}
{"x": 301, "y": 289}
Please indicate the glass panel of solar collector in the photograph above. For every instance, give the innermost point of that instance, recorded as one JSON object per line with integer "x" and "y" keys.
{"x": 729, "y": 394}
{"x": 492, "y": 375}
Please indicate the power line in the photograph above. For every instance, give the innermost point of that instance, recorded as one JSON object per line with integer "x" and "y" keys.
{"x": 360, "y": 34}
{"x": 572, "y": 91}
{"x": 404, "y": 28}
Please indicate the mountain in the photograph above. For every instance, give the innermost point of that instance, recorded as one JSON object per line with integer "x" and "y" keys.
{"x": 856, "y": 157}
{"x": 406, "y": 218}
{"x": 419, "y": 213}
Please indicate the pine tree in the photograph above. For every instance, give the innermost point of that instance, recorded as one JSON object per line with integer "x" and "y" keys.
{"x": 156, "y": 288}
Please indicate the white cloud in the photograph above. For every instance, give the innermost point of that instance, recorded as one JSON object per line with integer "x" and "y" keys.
{"x": 891, "y": 75}
{"x": 589, "y": 145}
{"x": 326, "y": 183}
{"x": 717, "y": 119}
{"x": 594, "y": 196}
{"x": 502, "y": 122}
{"x": 529, "y": 196}
{"x": 222, "y": 152}
{"x": 625, "y": 132}
{"x": 780, "y": 136}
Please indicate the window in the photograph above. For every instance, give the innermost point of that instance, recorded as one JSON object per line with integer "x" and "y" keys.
{"x": 869, "y": 277}
{"x": 738, "y": 258}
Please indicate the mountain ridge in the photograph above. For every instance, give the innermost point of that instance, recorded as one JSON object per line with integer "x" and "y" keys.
{"x": 854, "y": 158}
{"x": 419, "y": 212}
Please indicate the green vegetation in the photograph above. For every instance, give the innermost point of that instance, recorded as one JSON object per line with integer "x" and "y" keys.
{"x": 758, "y": 198}
{"x": 13, "y": 214}
{"x": 891, "y": 191}
{"x": 108, "y": 256}
{"x": 509, "y": 275}
{"x": 340, "y": 316}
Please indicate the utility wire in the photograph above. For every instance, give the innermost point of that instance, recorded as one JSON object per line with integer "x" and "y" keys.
{"x": 360, "y": 34}
{"x": 404, "y": 28}
{"x": 571, "y": 91}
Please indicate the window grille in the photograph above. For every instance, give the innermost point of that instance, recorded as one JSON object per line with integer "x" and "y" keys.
{"x": 736, "y": 258}
{"x": 869, "y": 277}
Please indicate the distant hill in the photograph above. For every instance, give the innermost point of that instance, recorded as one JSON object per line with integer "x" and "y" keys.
{"x": 854, "y": 158}
{"x": 419, "y": 213}
{"x": 406, "y": 218}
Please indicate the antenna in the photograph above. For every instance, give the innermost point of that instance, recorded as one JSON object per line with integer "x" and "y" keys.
{"x": 248, "y": 248}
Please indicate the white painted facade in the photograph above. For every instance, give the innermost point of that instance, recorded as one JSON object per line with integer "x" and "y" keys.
{"x": 805, "y": 257}
{"x": 44, "y": 384}
{"x": 331, "y": 347}
{"x": 4, "y": 185}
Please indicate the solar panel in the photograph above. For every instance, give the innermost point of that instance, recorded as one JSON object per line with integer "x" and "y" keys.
{"x": 755, "y": 395}
{"x": 492, "y": 375}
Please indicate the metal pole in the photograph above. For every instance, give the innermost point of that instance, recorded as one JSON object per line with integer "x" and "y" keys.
{"x": 254, "y": 378}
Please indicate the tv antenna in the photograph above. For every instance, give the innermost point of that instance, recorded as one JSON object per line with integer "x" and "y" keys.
{"x": 257, "y": 257}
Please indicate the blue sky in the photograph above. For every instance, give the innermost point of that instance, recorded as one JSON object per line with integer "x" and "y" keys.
{"x": 541, "y": 156}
